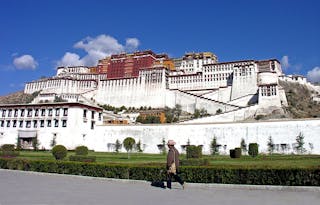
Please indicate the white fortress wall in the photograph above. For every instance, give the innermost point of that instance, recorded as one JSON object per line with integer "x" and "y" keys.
{"x": 229, "y": 134}
{"x": 60, "y": 85}
{"x": 222, "y": 94}
{"x": 231, "y": 116}
{"x": 189, "y": 102}
{"x": 244, "y": 80}
{"x": 283, "y": 97}
{"x": 186, "y": 82}
{"x": 245, "y": 100}
{"x": 149, "y": 89}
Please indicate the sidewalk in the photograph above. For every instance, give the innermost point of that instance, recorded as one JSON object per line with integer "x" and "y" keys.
{"x": 34, "y": 188}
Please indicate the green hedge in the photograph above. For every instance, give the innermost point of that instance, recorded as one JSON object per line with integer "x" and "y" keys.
{"x": 194, "y": 162}
{"x": 237, "y": 152}
{"x": 253, "y": 149}
{"x": 59, "y": 152}
{"x": 81, "y": 150}
{"x": 194, "y": 151}
{"x": 8, "y": 150}
{"x": 82, "y": 158}
{"x": 232, "y": 153}
{"x": 199, "y": 174}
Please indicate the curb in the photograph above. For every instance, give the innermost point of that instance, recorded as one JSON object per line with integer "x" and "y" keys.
{"x": 191, "y": 185}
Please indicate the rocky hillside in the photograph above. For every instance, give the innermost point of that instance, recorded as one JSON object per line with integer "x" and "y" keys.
{"x": 300, "y": 103}
{"x": 16, "y": 98}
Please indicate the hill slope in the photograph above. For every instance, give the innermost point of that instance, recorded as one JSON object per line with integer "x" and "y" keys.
{"x": 16, "y": 98}
{"x": 300, "y": 103}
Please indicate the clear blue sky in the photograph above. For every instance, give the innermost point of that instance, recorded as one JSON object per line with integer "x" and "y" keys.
{"x": 38, "y": 35}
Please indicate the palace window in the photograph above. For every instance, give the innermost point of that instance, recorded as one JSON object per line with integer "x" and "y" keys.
{"x": 35, "y": 123}
{"x": 29, "y": 114}
{"x": 50, "y": 112}
{"x": 2, "y": 123}
{"x": 85, "y": 113}
{"x": 41, "y": 123}
{"x": 28, "y": 124}
{"x": 92, "y": 114}
{"x": 14, "y": 124}
{"x": 9, "y": 113}
{"x": 64, "y": 123}
{"x": 56, "y": 123}
{"x": 3, "y": 113}
{"x": 65, "y": 111}
{"x": 21, "y": 123}
{"x": 16, "y": 112}
{"x": 57, "y": 111}
{"x": 36, "y": 113}
{"x": 268, "y": 90}
{"x": 43, "y": 112}
{"x": 48, "y": 123}
{"x": 8, "y": 123}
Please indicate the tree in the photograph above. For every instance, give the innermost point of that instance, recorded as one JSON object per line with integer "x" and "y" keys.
{"x": 270, "y": 145}
{"x": 243, "y": 146}
{"x": 169, "y": 115}
{"x": 19, "y": 147}
{"x": 172, "y": 115}
{"x": 203, "y": 112}
{"x": 53, "y": 141}
{"x": 138, "y": 146}
{"x": 59, "y": 99}
{"x": 218, "y": 111}
{"x": 118, "y": 146}
{"x": 128, "y": 144}
{"x": 214, "y": 146}
{"x": 311, "y": 147}
{"x": 253, "y": 149}
{"x": 35, "y": 143}
{"x": 188, "y": 142}
{"x": 177, "y": 111}
{"x": 164, "y": 148}
{"x": 196, "y": 113}
{"x": 300, "y": 143}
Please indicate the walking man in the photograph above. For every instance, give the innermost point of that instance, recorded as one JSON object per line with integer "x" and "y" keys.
{"x": 173, "y": 165}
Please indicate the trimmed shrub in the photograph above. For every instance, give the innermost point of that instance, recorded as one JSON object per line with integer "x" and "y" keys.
{"x": 194, "y": 162}
{"x": 232, "y": 153}
{"x": 59, "y": 152}
{"x": 18, "y": 164}
{"x": 82, "y": 150}
{"x": 82, "y": 158}
{"x": 7, "y": 150}
{"x": 253, "y": 149}
{"x": 205, "y": 174}
{"x": 194, "y": 151}
{"x": 237, "y": 152}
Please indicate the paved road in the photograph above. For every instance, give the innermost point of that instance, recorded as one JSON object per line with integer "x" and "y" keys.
{"x": 30, "y": 188}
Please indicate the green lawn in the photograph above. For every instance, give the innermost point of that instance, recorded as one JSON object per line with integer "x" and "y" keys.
{"x": 262, "y": 161}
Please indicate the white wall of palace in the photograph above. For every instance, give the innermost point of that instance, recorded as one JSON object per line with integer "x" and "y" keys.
{"x": 229, "y": 135}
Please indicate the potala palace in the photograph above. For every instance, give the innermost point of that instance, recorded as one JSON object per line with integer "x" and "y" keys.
{"x": 229, "y": 91}
{"x": 196, "y": 80}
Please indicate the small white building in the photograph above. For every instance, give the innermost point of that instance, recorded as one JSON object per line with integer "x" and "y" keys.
{"x": 70, "y": 124}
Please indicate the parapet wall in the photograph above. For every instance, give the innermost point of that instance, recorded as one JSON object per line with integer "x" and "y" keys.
{"x": 228, "y": 135}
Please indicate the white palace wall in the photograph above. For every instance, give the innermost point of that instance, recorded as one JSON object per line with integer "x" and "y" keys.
{"x": 229, "y": 134}
{"x": 147, "y": 90}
